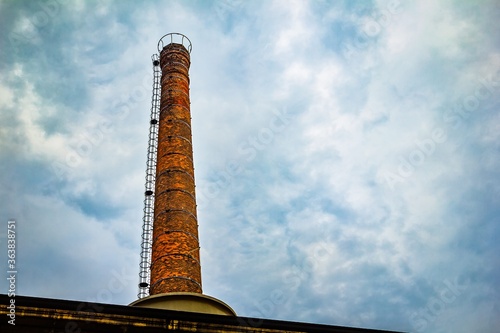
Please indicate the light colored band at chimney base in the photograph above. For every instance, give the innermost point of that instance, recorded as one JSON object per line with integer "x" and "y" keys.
{"x": 189, "y": 302}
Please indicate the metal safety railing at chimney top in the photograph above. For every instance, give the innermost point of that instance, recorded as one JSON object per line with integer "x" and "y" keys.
{"x": 174, "y": 37}
{"x": 147, "y": 227}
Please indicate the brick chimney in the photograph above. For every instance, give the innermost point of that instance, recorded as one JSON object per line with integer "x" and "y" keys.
{"x": 170, "y": 257}
{"x": 175, "y": 260}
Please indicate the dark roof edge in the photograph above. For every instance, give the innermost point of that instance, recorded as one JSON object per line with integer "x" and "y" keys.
{"x": 71, "y": 305}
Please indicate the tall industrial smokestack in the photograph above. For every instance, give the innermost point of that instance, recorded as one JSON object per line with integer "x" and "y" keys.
{"x": 175, "y": 262}
{"x": 170, "y": 257}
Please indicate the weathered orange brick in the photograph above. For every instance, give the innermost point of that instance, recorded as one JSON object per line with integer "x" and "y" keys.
{"x": 175, "y": 261}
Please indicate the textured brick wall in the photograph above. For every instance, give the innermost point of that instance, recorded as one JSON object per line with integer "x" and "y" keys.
{"x": 175, "y": 265}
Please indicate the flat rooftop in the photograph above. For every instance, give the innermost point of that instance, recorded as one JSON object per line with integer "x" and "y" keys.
{"x": 33, "y": 314}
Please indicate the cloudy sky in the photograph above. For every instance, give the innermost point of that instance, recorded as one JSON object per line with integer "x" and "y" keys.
{"x": 346, "y": 154}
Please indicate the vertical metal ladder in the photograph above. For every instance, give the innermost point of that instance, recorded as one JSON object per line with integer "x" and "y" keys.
{"x": 149, "y": 199}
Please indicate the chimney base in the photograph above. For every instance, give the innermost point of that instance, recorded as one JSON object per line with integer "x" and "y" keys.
{"x": 189, "y": 302}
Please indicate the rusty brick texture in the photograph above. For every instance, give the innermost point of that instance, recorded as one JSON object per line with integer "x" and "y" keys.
{"x": 175, "y": 262}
